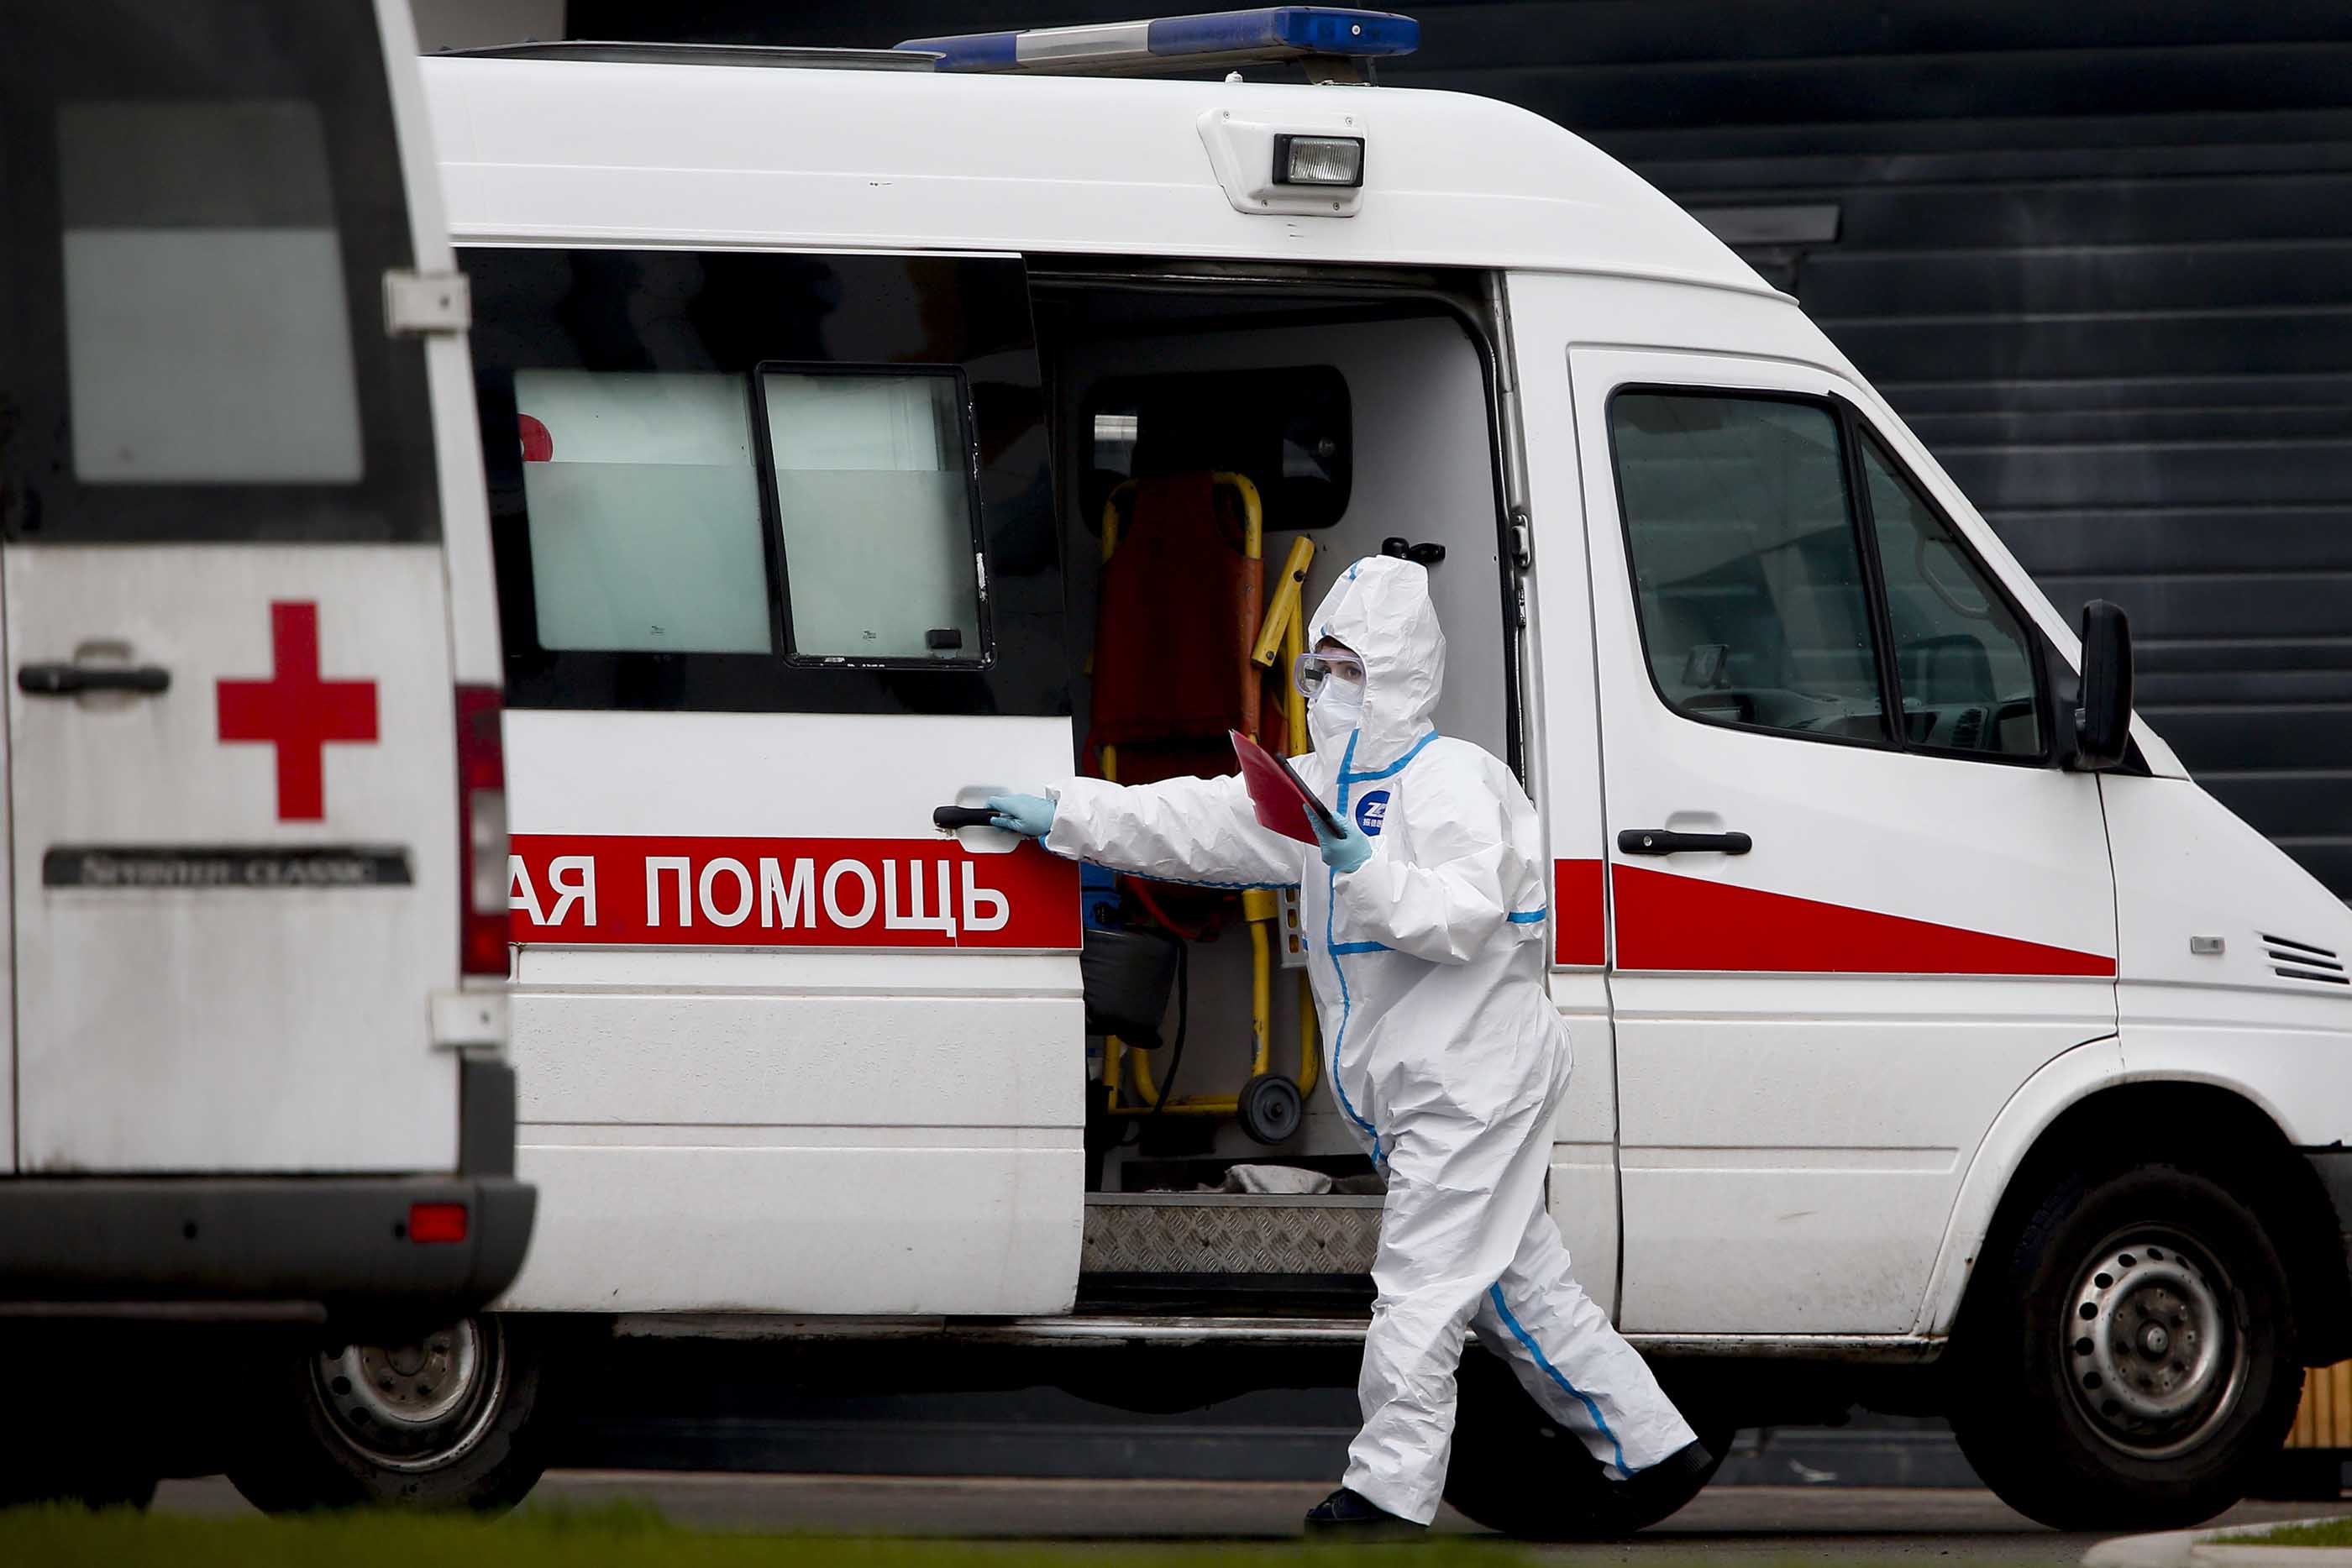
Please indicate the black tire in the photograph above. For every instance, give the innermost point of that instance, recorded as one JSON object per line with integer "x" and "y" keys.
{"x": 1269, "y": 1109}
{"x": 1517, "y": 1471}
{"x": 357, "y": 1425}
{"x": 2127, "y": 1359}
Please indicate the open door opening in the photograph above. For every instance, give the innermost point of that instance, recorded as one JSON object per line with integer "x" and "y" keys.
{"x": 1227, "y": 449}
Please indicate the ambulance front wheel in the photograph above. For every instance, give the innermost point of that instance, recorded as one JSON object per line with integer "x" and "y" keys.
{"x": 1270, "y": 1109}
{"x": 450, "y": 1420}
{"x": 2127, "y": 1359}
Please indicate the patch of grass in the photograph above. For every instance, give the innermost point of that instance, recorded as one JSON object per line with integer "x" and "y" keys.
{"x": 625, "y": 1535}
{"x": 2328, "y": 1533}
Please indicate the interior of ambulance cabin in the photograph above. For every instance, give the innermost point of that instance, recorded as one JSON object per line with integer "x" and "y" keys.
{"x": 1222, "y": 437}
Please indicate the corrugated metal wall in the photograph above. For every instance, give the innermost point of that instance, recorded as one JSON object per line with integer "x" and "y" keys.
{"x": 2098, "y": 254}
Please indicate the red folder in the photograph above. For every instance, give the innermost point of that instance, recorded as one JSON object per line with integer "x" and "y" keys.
{"x": 1280, "y": 797}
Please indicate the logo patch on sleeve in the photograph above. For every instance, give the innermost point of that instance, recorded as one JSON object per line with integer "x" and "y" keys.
{"x": 1373, "y": 813}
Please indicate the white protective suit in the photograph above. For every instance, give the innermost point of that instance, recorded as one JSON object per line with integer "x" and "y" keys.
{"x": 1447, "y": 1053}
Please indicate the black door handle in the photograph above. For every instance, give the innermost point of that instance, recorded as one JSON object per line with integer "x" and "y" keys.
{"x": 1405, "y": 549}
{"x": 1659, "y": 841}
{"x": 66, "y": 679}
{"x": 948, "y": 819}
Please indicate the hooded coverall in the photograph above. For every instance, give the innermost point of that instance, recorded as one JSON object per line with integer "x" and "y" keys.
{"x": 1447, "y": 1056}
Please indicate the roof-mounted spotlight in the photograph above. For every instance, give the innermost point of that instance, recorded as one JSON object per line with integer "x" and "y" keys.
{"x": 1328, "y": 160}
{"x": 1306, "y": 162}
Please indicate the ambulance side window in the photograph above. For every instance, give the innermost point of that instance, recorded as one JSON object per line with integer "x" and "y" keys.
{"x": 1747, "y": 567}
{"x": 1962, "y": 660}
{"x": 644, "y": 492}
{"x": 200, "y": 203}
{"x": 644, "y": 511}
{"x": 753, "y": 482}
{"x": 871, "y": 476}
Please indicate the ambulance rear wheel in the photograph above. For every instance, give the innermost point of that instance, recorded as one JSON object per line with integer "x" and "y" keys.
{"x": 1517, "y": 1471}
{"x": 1270, "y": 1109}
{"x": 449, "y": 1419}
{"x": 2127, "y": 1359}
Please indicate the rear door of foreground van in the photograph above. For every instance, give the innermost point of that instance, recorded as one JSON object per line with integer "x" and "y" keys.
{"x": 778, "y": 575}
{"x": 232, "y": 747}
{"x": 1855, "y": 899}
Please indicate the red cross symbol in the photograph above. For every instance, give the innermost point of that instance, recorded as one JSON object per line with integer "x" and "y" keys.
{"x": 298, "y": 713}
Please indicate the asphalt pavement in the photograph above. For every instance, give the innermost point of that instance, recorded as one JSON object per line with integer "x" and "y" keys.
{"x": 1726, "y": 1524}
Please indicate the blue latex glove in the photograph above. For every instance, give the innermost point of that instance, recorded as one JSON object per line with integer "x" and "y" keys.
{"x": 1031, "y": 815}
{"x": 1343, "y": 851}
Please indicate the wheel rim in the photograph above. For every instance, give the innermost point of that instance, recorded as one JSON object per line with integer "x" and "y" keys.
{"x": 2155, "y": 1344}
{"x": 417, "y": 1406}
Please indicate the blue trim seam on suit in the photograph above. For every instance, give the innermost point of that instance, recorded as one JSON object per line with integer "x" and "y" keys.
{"x": 1346, "y": 778}
{"x": 1337, "y": 948}
{"x": 1529, "y": 917}
{"x": 1494, "y": 1295}
{"x": 1332, "y": 946}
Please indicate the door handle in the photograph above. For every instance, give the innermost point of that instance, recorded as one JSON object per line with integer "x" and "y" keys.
{"x": 1659, "y": 841}
{"x": 948, "y": 819}
{"x": 68, "y": 680}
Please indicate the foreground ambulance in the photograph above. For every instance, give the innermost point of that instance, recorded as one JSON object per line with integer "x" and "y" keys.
{"x": 252, "y": 1018}
{"x": 861, "y": 428}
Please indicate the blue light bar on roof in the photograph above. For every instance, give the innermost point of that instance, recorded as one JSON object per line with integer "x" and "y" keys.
{"x": 1183, "y": 43}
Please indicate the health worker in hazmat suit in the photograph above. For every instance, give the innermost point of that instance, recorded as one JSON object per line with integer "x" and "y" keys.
{"x": 1425, "y": 918}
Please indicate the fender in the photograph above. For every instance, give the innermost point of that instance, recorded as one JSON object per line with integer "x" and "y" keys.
{"x": 2061, "y": 1083}
{"x": 2065, "y": 1080}
{"x": 2300, "y": 1078}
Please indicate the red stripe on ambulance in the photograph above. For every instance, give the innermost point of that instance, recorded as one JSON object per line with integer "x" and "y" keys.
{"x": 787, "y": 892}
{"x": 1670, "y": 922}
{"x": 1580, "y": 915}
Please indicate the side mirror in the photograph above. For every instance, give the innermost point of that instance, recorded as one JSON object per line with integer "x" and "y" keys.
{"x": 2102, "y": 703}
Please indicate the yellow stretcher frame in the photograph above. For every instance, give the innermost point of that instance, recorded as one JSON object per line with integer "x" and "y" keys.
{"x": 1282, "y": 636}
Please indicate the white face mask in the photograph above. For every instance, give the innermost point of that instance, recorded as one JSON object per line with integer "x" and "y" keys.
{"x": 1335, "y": 712}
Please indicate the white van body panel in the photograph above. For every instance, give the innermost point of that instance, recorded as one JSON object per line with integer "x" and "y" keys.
{"x": 725, "y": 1181}
{"x": 721, "y": 156}
{"x": 1791, "y": 1143}
{"x": 1802, "y": 1157}
{"x": 709, "y": 1125}
{"x": 218, "y": 1040}
{"x": 245, "y": 1041}
{"x": 2271, "y": 1014}
{"x": 2062, "y": 1083}
{"x": 1564, "y": 751}
{"x": 471, "y": 585}
{"x": 2186, "y": 867}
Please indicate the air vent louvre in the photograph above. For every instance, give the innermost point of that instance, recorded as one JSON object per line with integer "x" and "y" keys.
{"x": 2293, "y": 961}
{"x": 1967, "y": 730}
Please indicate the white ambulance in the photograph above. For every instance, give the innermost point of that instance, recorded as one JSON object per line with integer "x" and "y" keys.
{"x": 1940, "y": 1044}
{"x": 254, "y": 1069}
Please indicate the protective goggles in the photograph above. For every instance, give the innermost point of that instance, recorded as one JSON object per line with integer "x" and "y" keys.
{"x": 1313, "y": 671}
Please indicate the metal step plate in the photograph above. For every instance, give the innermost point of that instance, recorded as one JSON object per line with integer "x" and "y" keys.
{"x": 1219, "y": 1233}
